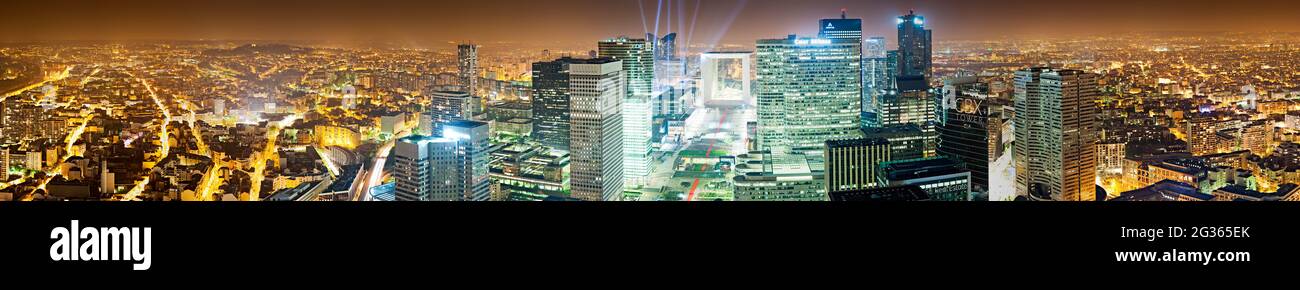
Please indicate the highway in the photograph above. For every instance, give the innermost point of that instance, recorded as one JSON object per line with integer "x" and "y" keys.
{"x": 361, "y": 190}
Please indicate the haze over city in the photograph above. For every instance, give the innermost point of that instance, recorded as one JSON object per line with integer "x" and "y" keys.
{"x": 576, "y": 21}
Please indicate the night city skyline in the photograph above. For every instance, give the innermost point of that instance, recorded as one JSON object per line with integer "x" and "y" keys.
{"x": 650, "y": 101}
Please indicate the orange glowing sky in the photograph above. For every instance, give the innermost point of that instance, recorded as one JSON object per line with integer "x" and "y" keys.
{"x": 570, "y": 21}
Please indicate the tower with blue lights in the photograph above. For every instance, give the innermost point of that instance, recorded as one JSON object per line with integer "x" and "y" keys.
{"x": 915, "y": 47}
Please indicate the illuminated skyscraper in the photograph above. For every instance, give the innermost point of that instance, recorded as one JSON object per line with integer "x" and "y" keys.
{"x": 884, "y": 85}
{"x": 809, "y": 91}
{"x": 851, "y": 29}
{"x": 472, "y": 150}
{"x": 910, "y": 103}
{"x": 467, "y": 63}
{"x": 413, "y": 168}
{"x": 969, "y": 127}
{"x": 597, "y": 93}
{"x": 1055, "y": 122}
{"x": 638, "y": 60}
{"x": 915, "y": 68}
{"x": 666, "y": 47}
{"x": 876, "y": 78}
{"x": 669, "y": 67}
{"x": 448, "y": 168}
{"x": 551, "y": 103}
{"x": 914, "y": 47}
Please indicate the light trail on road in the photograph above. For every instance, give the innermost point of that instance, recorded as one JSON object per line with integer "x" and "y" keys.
{"x": 362, "y": 191}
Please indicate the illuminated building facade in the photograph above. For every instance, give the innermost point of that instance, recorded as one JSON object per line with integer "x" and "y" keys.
{"x": 841, "y": 28}
{"x": 327, "y": 136}
{"x": 969, "y": 127}
{"x": 809, "y": 91}
{"x": 852, "y": 164}
{"x": 1202, "y": 135}
{"x": 472, "y": 149}
{"x": 851, "y": 29}
{"x": 551, "y": 104}
{"x": 449, "y": 168}
{"x": 1257, "y": 137}
{"x": 911, "y": 103}
{"x": 638, "y": 59}
{"x": 414, "y": 161}
{"x": 1110, "y": 160}
{"x": 597, "y": 93}
{"x": 467, "y": 64}
{"x": 1055, "y": 138}
{"x": 1145, "y": 171}
{"x": 876, "y": 78}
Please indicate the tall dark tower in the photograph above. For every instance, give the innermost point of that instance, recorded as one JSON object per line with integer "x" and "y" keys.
{"x": 551, "y": 102}
{"x": 914, "y": 46}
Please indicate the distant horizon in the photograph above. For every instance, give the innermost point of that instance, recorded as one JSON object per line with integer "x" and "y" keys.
{"x": 566, "y": 22}
{"x": 445, "y": 44}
